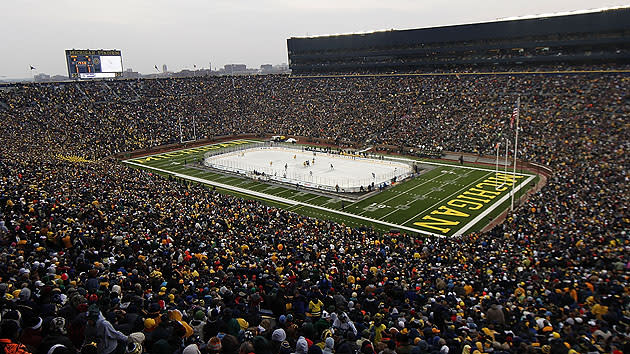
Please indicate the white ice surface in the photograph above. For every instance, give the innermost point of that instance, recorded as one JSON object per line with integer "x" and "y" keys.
{"x": 348, "y": 172}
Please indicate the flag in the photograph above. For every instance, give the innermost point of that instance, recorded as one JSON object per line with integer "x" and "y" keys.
{"x": 32, "y": 67}
{"x": 496, "y": 146}
{"x": 514, "y": 115}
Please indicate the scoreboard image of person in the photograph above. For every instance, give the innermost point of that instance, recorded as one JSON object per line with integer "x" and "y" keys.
{"x": 94, "y": 64}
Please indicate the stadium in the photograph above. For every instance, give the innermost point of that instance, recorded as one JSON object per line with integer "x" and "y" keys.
{"x": 453, "y": 189}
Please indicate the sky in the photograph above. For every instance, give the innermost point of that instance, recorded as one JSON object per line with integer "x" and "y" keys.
{"x": 184, "y": 33}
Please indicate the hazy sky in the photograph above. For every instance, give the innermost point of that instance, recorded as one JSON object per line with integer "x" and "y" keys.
{"x": 183, "y": 33}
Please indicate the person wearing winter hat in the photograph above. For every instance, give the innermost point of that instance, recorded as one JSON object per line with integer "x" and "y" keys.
{"x": 31, "y": 335}
{"x": 116, "y": 289}
{"x": 281, "y": 348}
{"x": 343, "y": 324}
{"x": 191, "y": 349}
{"x": 138, "y": 338}
{"x": 56, "y": 335}
{"x": 301, "y": 347}
{"x": 25, "y": 295}
{"x": 278, "y": 335}
{"x": 329, "y": 347}
{"x": 466, "y": 349}
{"x": 198, "y": 323}
{"x": 242, "y": 323}
{"x": 149, "y": 325}
{"x": 214, "y": 345}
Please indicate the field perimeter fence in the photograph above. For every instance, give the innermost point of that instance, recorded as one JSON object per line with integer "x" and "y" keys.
{"x": 304, "y": 178}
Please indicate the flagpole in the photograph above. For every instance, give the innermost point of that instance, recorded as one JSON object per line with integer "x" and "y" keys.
{"x": 518, "y": 113}
{"x": 194, "y": 129}
{"x": 181, "y": 136}
{"x": 496, "y": 170}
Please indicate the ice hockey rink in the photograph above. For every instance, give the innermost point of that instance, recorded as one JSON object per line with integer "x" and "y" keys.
{"x": 311, "y": 169}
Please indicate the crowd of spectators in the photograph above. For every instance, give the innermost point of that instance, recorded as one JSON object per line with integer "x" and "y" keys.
{"x": 96, "y": 257}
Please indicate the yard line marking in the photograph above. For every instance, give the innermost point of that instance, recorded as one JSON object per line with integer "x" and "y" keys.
{"x": 418, "y": 197}
{"x": 450, "y": 195}
{"x": 448, "y": 165}
{"x": 241, "y": 182}
{"x": 190, "y": 148}
{"x": 405, "y": 192}
{"x": 289, "y": 202}
{"x": 295, "y": 207}
{"x": 268, "y": 187}
{"x": 171, "y": 167}
{"x": 315, "y": 197}
{"x": 286, "y": 190}
{"x": 422, "y": 197}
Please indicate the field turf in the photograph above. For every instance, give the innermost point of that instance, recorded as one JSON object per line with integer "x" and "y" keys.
{"x": 445, "y": 200}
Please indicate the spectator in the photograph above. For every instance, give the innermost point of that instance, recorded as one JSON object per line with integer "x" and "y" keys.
{"x": 8, "y": 338}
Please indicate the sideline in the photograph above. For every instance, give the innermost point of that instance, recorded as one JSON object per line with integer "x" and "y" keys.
{"x": 494, "y": 206}
{"x": 280, "y": 199}
{"x": 192, "y": 148}
{"x": 293, "y": 203}
{"x": 489, "y": 169}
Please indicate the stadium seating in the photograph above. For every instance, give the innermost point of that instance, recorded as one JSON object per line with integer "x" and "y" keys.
{"x": 168, "y": 264}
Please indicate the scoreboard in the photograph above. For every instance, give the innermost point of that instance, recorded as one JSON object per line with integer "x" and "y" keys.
{"x": 94, "y": 64}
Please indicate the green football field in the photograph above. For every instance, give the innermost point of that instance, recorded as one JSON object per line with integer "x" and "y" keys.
{"x": 445, "y": 200}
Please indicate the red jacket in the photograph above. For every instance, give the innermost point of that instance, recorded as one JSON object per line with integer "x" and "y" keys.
{"x": 8, "y": 347}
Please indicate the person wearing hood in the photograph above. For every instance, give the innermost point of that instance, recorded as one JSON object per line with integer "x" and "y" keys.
{"x": 343, "y": 324}
{"x": 191, "y": 349}
{"x": 495, "y": 314}
{"x": 277, "y": 338}
{"x": 301, "y": 346}
{"x": 329, "y": 346}
{"x": 198, "y": 322}
{"x": 108, "y": 337}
